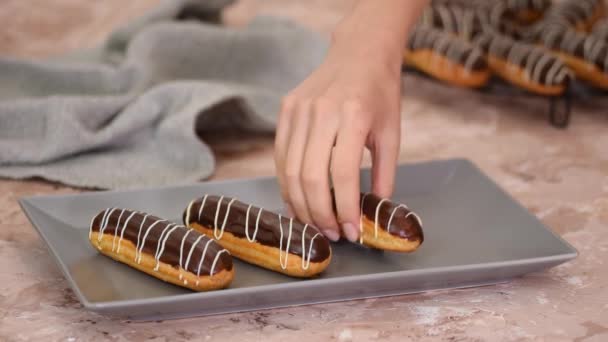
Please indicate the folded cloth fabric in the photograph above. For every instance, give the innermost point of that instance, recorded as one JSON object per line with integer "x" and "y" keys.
{"x": 126, "y": 114}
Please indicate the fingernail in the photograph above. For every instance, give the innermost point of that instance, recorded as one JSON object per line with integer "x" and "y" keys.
{"x": 331, "y": 234}
{"x": 350, "y": 231}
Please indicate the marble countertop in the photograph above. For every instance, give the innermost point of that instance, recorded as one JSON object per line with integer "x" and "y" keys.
{"x": 559, "y": 175}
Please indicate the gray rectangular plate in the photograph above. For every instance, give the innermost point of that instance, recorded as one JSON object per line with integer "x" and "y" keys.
{"x": 475, "y": 234}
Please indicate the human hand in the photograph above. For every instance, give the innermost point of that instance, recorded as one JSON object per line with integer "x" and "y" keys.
{"x": 350, "y": 102}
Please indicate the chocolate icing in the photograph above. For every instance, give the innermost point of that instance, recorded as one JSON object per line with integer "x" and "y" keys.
{"x": 541, "y": 66}
{"x": 268, "y": 234}
{"x": 600, "y": 30}
{"x": 574, "y": 12}
{"x": 447, "y": 45}
{"x": 567, "y": 40}
{"x": 402, "y": 225}
{"x": 519, "y": 5}
{"x": 470, "y": 18}
{"x": 463, "y": 21}
{"x": 171, "y": 253}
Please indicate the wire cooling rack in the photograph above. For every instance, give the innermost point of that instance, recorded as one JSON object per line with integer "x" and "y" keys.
{"x": 559, "y": 108}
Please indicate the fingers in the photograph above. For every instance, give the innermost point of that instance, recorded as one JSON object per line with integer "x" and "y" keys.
{"x": 385, "y": 153}
{"x": 302, "y": 162}
{"x": 315, "y": 169}
{"x": 345, "y": 166}
{"x": 281, "y": 143}
{"x": 294, "y": 159}
{"x": 306, "y": 133}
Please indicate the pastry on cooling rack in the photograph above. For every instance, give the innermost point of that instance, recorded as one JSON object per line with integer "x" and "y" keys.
{"x": 525, "y": 65}
{"x": 585, "y": 54}
{"x": 446, "y": 57}
{"x": 578, "y": 14}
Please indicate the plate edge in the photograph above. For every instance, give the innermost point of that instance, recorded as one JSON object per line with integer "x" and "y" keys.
{"x": 25, "y": 207}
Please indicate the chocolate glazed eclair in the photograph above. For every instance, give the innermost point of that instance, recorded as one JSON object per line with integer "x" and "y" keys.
{"x": 527, "y": 11}
{"x": 600, "y": 30}
{"x": 162, "y": 249}
{"x": 387, "y": 225}
{"x": 580, "y": 15}
{"x": 446, "y": 57}
{"x": 259, "y": 236}
{"x": 586, "y": 54}
{"x": 525, "y": 65}
{"x": 458, "y": 20}
{"x": 469, "y": 21}
{"x": 467, "y": 17}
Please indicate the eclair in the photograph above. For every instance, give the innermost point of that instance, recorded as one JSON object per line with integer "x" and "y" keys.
{"x": 468, "y": 21}
{"x": 600, "y": 30}
{"x": 162, "y": 249}
{"x": 464, "y": 22}
{"x": 259, "y": 236}
{"x": 387, "y": 225}
{"x": 580, "y": 15}
{"x": 525, "y": 65}
{"x": 585, "y": 54}
{"x": 446, "y": 57}
{"x": 527, "y": 11}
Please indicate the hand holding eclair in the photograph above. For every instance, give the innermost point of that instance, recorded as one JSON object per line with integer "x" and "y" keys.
{"x": 351, "y": 102}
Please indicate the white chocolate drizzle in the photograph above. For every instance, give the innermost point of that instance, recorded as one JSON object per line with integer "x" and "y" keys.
{"x": 104, "y": 222}
{"x": 116, "y": 230}
{"x": 538, "y": 5}
{"x": 257, "y": 224}
{"x": 286, "y": 252}
{"x": 187, "y": 220}
{"x": 411, "y": 213}
{"x": 376, "y": 216}
{"x": 567, "y": 40}
{"x": 531, "y": 60}
{"x": 122, "y": 231}
{"x": 162, "y": 241}
{"x": 141, "y": 225}
{"x": 190, "y": 254}
{"x": 216, "y": 259}
{"x": 200, "y": 264}
{"x": 181, "y": 253}
{"x": 200, "y": 211}
{"x": 573, "y": 12}
{"x": 218, "y": 231}
{"x": 377, "y": 213}
{"x": 93, "y": 221}
{"x": 390, "y": 219}
{"x": 168, "y": 229}
{"x": 217, "y": 212}
{"x": 459, "y": 20}
{"x": 306, "y": 262}
{"x": 600, "y": 30}
{"x": 446, "y": 47}
{"x": 139, "y": 248}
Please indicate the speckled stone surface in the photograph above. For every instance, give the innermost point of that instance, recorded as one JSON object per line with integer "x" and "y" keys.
{"x": 559, "y": 175}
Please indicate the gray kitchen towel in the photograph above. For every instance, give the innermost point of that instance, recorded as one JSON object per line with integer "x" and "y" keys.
{"x": 128, "y": 114}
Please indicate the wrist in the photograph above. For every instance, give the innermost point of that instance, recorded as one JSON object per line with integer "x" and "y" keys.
{"x": 371, "y": 45}
{"x": 377, "y": 30}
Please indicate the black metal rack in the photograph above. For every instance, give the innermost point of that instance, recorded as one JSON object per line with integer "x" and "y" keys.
{"x": 559, "y": 108}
